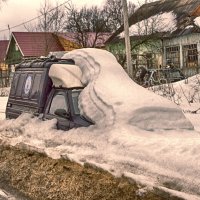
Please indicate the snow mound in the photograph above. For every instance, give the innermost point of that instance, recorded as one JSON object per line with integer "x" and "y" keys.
{"x": 110, "y": 97}
{"x": 67, "y": 76}
{"x": 197, "y": 21}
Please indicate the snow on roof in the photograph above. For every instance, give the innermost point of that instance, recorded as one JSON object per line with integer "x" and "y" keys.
{"x": 65, "y": 75}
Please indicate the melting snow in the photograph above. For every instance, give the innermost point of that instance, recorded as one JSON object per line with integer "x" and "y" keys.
{"x": 137, "y": 134}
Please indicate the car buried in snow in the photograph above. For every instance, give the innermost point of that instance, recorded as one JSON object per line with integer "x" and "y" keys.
{"x": 48, "y": 88}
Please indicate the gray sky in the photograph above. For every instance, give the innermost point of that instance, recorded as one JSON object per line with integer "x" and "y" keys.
{"x": 15, "y": 12}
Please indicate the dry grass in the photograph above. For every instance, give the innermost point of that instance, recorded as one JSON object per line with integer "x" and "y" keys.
{"x": 42, "y": 178}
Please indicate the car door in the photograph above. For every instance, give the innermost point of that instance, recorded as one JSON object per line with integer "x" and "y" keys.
{"x": 58, "y": 108}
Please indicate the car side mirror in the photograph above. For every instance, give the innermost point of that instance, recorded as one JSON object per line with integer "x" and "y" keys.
{"x": 62, "y": 113}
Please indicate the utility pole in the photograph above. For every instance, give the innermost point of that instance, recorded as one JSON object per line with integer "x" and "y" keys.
{"x": 9, "y": 30}
{"x": 127, "y": 39}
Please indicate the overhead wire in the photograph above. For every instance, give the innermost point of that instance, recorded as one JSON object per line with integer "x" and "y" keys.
{"x": 23, "y": 23}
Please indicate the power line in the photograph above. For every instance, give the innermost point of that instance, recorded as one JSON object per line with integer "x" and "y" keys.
{"x": 34, "y": 18}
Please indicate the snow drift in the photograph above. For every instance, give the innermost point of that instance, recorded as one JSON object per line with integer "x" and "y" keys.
{"x": 111, "y": 97}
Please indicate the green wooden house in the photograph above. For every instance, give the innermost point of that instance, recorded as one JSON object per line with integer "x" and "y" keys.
{"x": 145, "y": 50}
{"x": 180, "y": 46}
{"x": 28, "y": 45}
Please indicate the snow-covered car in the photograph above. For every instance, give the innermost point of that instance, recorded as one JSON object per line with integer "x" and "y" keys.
{"x": 48, "y": 88}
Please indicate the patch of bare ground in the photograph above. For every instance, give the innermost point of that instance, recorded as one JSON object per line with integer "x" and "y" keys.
{"x": 42, "y": 178}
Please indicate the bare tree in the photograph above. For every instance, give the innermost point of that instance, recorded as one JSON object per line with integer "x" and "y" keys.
{"x": 157, "y": 23}
{"x": 154, "y": 24}
{"x": 95, "y": 20}
{"x": 112, "y": 11}
{"x": 52, "y": 19}
{"x": 85, "y": 21}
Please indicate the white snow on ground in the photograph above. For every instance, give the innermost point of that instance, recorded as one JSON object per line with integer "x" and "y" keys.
{"x": 3, "y": 101}
{"x": 137, "y": 134}
{"x": 186, "y": 94}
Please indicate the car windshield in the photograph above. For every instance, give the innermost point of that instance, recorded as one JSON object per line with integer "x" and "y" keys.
{"x": 75, "y": 95}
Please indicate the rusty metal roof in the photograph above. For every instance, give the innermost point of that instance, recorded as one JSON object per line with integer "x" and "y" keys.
{"x": 34, "y": 44}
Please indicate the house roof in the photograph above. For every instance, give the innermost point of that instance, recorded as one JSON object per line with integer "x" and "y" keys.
{"x": 3, "y": 48}
{"x": 182, "y": 8}
{"x": 90, "y": 38}
{"x": 68, "y": 36}
{"x": 100, "y": 42}
{"x": 190, "y": 29}
{"x": 35, "y": 44}
{"x": 157, "y": 35}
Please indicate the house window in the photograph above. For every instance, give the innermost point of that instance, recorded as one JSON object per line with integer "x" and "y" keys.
{"x": 190, "y": 55}
{"x": 173, "y": 55}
